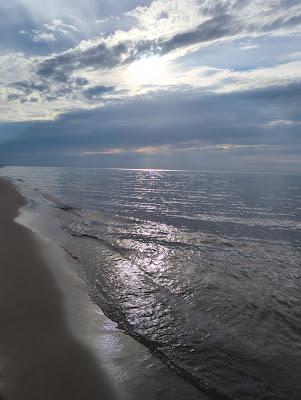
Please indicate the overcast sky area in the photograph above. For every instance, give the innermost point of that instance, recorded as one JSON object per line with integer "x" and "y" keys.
{"x": 175, "y": 84}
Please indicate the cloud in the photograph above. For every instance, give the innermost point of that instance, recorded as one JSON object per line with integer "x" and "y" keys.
{"x": 43, "y": 36}
{"x": 13, "y": 96}
{"x": 170, "y": 120}
{"x": 96, "y": 92}
{"x": 51, "y": 32}
{"x": 283, "y": 122}
{"x": 249, "y": 130}
{"x": 224, "y": 23}
{"x": 58, "y": 25}
{"x": 61, "y": 66}
{"x": 95, "y": 72}
{"x": 86, "y": 91}
{"x": 28, "y": 87}
{"x": 221, "y": 26}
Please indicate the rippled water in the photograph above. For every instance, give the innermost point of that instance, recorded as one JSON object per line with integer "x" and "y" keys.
{"x": 204, "y": 268}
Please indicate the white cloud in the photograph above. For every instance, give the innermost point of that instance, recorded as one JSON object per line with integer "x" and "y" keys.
{"x": 283, "y": 122}
{"x": 43, "y": 36}
{"x": 249, "y": 47}
{"x": 51, "y": 32}
{"x": 58, "y": 25}
{"x": 162, "y": 23}
{"x": 166, "y": 18}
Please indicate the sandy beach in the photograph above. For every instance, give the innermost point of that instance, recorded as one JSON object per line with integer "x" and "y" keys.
{"x": 39, "y": 358}
{"x": 47, "y": 354}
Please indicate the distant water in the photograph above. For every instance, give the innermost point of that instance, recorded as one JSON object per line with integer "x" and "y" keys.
{"x": 203, "y": 268}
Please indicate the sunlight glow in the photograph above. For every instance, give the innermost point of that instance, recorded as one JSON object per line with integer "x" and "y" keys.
{"x": 147, "y": 71}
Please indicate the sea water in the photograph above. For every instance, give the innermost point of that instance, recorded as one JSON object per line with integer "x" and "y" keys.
{"x": 201, "y": 267}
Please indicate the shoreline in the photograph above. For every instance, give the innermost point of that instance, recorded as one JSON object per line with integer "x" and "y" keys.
{"x": 57, "y": 344}
{"x": 39, "y": 356}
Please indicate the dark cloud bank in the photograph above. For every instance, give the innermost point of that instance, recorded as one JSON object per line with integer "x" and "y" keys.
{"x": 178, "y": 121}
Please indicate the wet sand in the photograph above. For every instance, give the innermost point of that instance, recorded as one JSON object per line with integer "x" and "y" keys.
{"x": 54, "y": 342}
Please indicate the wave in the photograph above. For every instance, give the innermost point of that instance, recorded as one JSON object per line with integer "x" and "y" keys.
{"x": 216, "y": 304}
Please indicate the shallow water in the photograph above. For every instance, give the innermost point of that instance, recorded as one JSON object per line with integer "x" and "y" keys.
{"x": 204, "y": 268}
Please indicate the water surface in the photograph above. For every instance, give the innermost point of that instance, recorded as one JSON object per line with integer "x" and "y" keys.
{"x": 203, "y": 268}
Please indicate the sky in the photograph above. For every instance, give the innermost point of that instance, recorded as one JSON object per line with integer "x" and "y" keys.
{"x": 174, "y": 84}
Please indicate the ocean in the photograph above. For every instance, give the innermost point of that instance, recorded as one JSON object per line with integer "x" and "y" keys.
{"x": 203, "y": 268}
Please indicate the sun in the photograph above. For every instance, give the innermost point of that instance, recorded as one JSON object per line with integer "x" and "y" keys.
{"x": 147, "y": 71}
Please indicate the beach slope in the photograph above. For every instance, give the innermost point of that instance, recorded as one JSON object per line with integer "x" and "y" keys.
{"x": 39, "y": 357}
